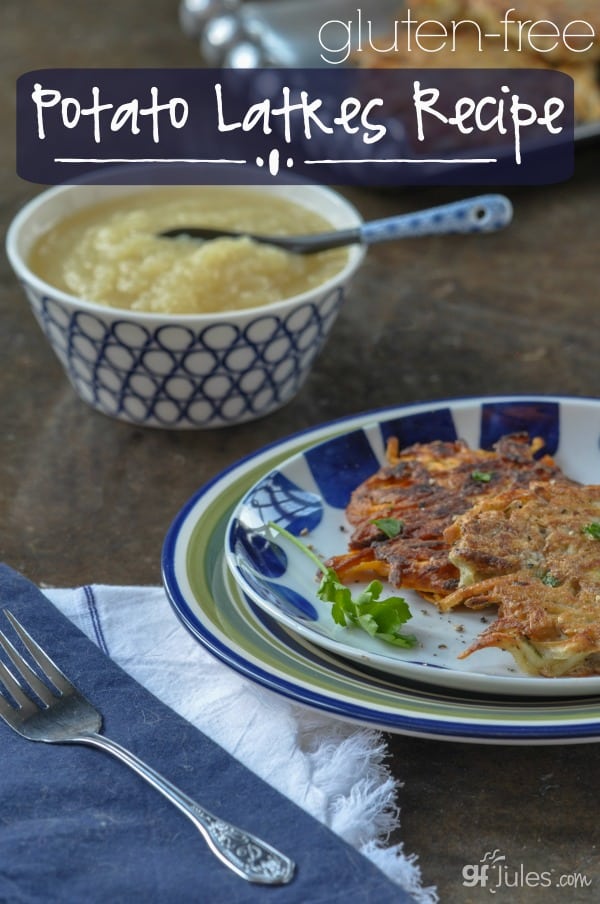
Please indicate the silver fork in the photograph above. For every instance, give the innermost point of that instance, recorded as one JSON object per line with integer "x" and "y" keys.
{"x": 66, "y": 717}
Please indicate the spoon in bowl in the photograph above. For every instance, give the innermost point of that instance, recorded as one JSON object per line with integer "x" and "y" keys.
{"x": 485, "y": 213}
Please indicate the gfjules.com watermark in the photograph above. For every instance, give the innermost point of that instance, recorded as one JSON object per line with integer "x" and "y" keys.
{"x": 493, "y": 873}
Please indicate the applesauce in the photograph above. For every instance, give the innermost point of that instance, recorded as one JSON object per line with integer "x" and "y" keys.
{"x": 111, "y": 253}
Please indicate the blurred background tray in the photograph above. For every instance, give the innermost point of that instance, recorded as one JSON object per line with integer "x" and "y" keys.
{"x": 286, "y": 33}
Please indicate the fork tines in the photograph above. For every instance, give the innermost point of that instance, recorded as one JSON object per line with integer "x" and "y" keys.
{"x": 44, "y": 663}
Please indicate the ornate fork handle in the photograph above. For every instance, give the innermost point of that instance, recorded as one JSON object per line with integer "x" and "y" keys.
{"x": 245, "y": 854}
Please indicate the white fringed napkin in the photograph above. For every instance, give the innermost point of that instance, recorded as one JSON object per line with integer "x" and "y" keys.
{"x": 332, "y": 769}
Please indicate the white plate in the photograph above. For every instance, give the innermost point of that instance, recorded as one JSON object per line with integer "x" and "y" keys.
{"x": 225, "y": 621}
{"x": 308, "y": 494}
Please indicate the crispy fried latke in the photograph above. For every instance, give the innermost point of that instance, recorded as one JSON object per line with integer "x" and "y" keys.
{"x": 535, "y": 554}
{"x": 425, "y": 487}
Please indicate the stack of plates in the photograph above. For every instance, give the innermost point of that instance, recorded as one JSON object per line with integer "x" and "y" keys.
{"x": 253, "y": 603}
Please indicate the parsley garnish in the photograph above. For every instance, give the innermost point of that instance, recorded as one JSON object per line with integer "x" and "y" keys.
{"x": 550, "y": 580}
{"x": 391, "y": 527}
{"x": 382, "y": 618}
{"x": 592, "y": 530}
{"x": 482, "y": 476}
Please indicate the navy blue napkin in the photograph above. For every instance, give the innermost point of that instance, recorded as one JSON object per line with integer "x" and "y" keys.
{"x": 78, "y": 826}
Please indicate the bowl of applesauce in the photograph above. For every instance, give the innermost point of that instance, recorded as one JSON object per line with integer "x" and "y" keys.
{"x": 181, "y": 333}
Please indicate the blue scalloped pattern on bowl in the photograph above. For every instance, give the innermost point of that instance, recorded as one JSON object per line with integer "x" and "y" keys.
{"x": 176, "y": 376}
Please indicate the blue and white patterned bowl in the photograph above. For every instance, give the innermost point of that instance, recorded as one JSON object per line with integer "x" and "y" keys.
{"x": 181, "y": 371}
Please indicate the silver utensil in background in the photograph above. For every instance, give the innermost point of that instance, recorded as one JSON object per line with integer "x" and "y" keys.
{"x": 255, "y": 34}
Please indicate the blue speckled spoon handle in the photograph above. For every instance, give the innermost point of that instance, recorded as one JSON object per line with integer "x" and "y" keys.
{"x": 485, "y": 213}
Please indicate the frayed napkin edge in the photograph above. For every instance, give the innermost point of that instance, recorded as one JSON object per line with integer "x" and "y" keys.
{"x": 351, "y": 789}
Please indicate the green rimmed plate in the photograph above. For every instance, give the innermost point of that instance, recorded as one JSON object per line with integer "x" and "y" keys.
{"x": 223, "y": 619}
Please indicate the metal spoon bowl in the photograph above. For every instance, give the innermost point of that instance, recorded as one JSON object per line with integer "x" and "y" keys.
{"x": 485, "y": 213}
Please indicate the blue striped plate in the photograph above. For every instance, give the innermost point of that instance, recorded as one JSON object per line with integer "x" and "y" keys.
{"x": 222, "y": 613}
